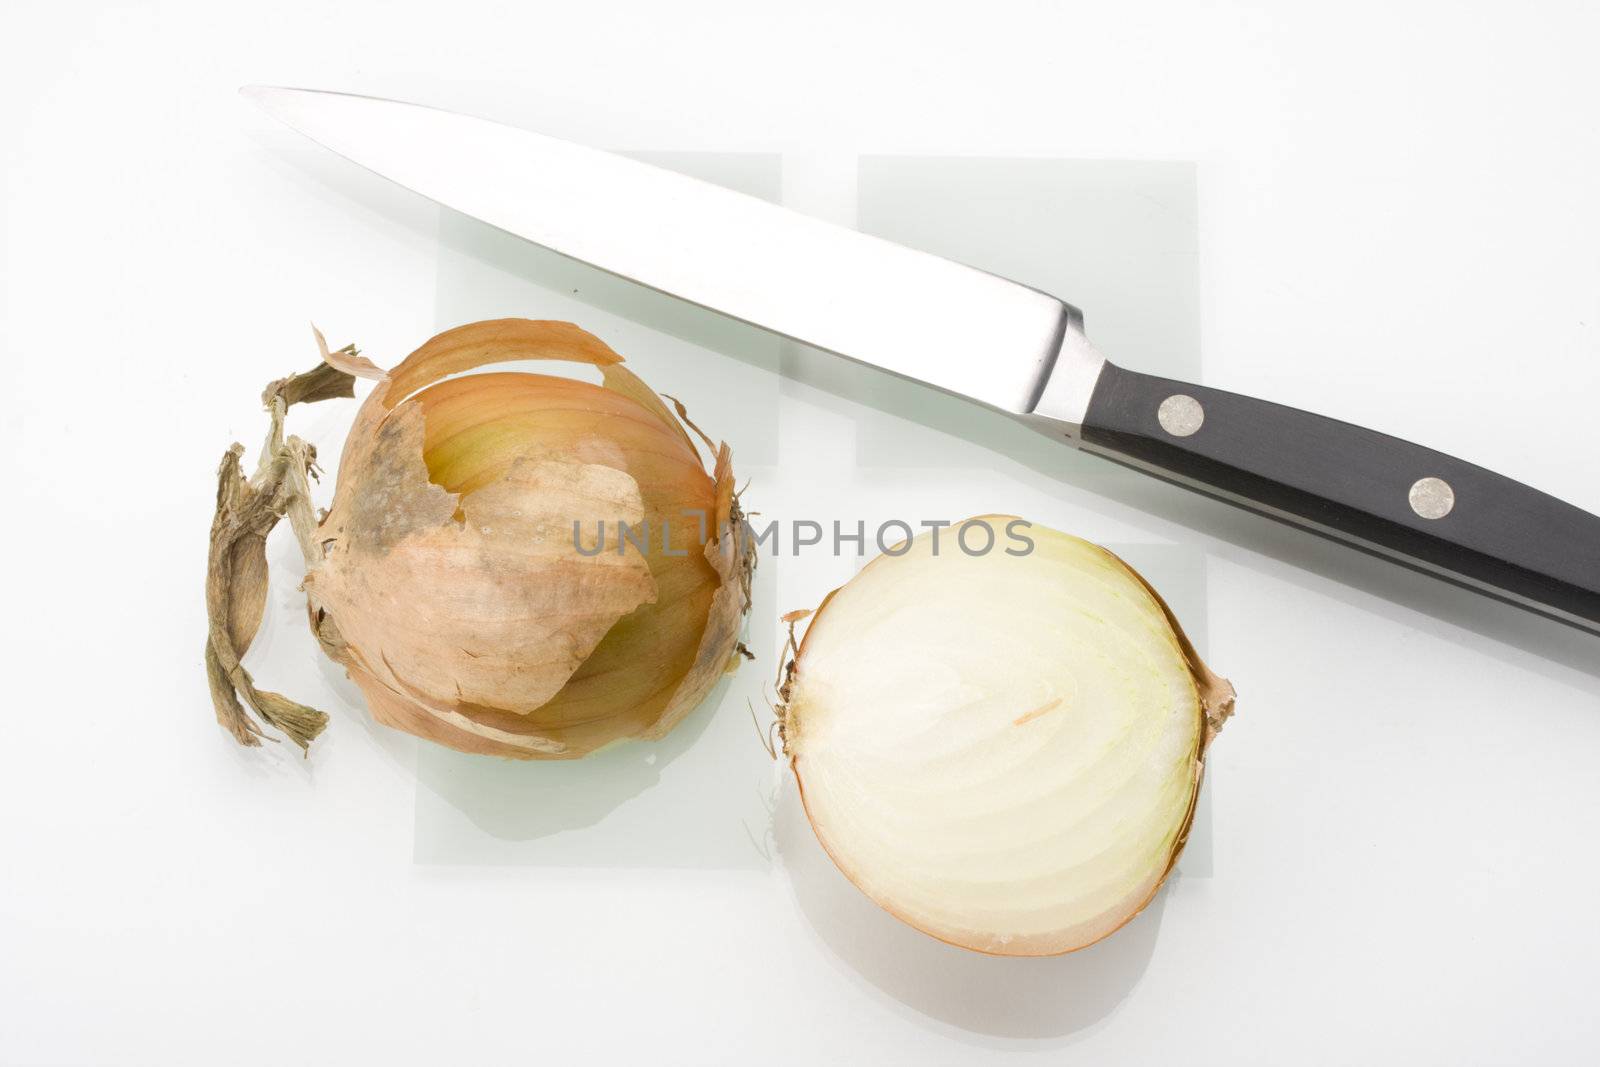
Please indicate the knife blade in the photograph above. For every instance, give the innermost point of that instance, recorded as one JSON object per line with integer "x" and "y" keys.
{"x": 908, "y": 312}
{"x": 967, "y": 332}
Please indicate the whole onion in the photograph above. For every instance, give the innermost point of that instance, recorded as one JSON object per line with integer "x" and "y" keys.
{"x": 448, "y": 578}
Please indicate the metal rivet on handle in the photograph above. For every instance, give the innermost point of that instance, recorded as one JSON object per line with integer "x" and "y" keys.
{"x": 1432, "y": 498}
{"x": 1180, "y": 415}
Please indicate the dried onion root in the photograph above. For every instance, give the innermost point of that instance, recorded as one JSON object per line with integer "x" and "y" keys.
{"x": 1002, "y": 750}
{"x": 447, "y": 576}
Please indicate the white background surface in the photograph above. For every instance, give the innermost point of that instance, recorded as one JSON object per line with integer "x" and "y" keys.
{"x": 1396, "y": 223}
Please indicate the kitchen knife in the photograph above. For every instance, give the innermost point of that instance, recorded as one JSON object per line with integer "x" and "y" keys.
{"x": 967, "y": 332}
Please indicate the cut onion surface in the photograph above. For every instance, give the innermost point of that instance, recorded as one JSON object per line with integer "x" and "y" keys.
{"x": 1003, "y": 750}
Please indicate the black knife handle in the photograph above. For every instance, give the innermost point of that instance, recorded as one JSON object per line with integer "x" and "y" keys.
{"x": 1411, "y": 504}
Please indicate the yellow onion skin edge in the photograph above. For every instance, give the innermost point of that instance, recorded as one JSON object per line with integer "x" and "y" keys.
{"x": 390, "y": 698}
{"x": 1215, "y": 705}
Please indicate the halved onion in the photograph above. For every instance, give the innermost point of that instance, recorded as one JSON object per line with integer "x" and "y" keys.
{"x": 1002, "y": 750}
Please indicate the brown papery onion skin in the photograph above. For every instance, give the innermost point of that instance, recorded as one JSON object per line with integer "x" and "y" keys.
{"x": 451, "y": 589}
